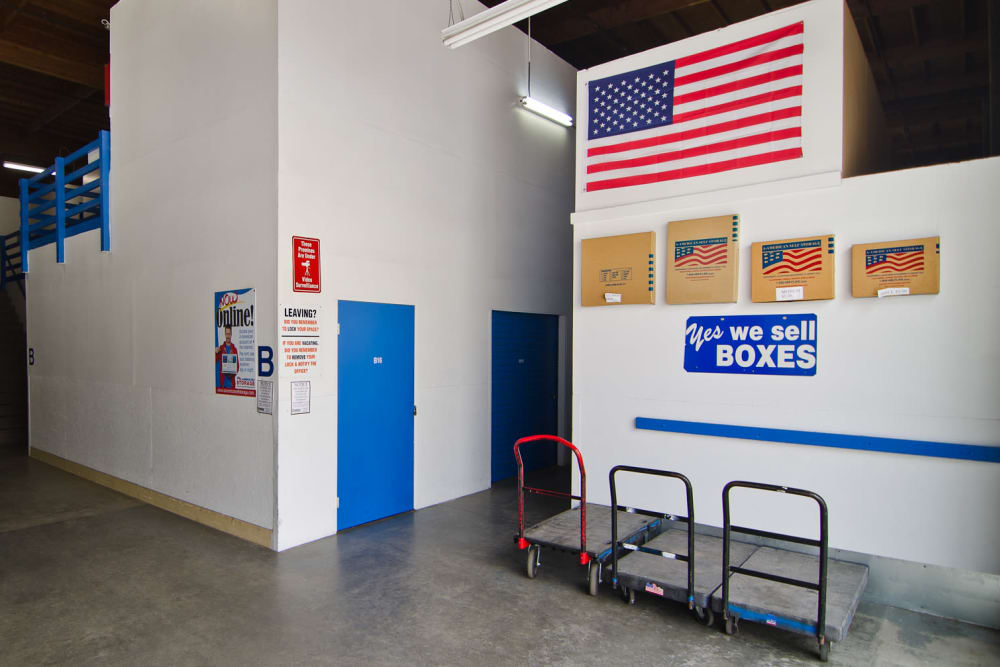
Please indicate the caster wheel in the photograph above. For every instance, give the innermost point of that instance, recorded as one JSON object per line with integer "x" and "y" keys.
{"x": 628, "y": 595}
{"x": 824, "y": 652}
{"x": 532, "y": 564}
{"x": 731, "y": 626}
{"x": 593, "y": 577}
{"x": 704, "y": 615}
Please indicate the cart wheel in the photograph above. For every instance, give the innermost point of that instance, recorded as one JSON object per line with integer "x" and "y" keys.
{"x": 731, "y": 626}
{"x": 593, "y": 576}
{"x": 533, "y": 561}
{"x": 824, "y": 652}
{"x": 628, "y": 595}
{"x": 705, "y": 616}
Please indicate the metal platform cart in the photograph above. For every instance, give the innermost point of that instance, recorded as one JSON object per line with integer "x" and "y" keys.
{"x": 800, "y": 592}
{"x": 584, "y": 530}
{"x": 664, "y": 566}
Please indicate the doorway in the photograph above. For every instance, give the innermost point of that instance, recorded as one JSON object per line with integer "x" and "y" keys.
{"x": 524, "y": 397}
{"x": 375, "y": 411}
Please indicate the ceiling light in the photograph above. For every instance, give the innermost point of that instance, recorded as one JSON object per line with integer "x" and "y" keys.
{"x": 542, "y": 109}
{"x": 23, "y": 167}
{"x": 493, "y": 19}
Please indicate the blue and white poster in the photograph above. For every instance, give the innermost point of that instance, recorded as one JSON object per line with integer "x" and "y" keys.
{"x": 235, "y": 343}
{"x": 754, "y": 344}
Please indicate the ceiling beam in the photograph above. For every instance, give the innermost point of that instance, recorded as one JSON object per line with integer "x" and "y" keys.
{"x": 942, "y": 114}
{"x": 61, "y": 109}
{"x": 868, "y": 8}
{"x": 11, "y": 13}
{"x": 939, "y": 141}
{"x": 79, "y": 11}
{"x": 936, "y": 49}
{"x": 582, "y": 23}
{"x": 42, "y": 148}
{"x": 936, "y": 86}
{"x": 914, "y": 26}
{"x": 717, "y": 10}
{"x": 38, "y": 60}
{"x": 86, "y": 46}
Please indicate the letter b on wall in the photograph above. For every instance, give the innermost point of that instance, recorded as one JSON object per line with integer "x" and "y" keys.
{"x": 265, "y": 361}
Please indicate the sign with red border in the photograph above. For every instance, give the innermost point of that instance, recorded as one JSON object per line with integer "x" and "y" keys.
{"x": 305, "y": 265}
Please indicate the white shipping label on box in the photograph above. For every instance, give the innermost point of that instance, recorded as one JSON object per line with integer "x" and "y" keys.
{"x": 894, "y": 291}
{"x": 612, "y": 298}
{"x": 796, "y": 293}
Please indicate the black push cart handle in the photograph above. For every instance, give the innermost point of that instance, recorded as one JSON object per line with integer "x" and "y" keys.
{"x": 822, "y": 543}
{"x": 522, "y": 489}
{"x": 689, "y": 519}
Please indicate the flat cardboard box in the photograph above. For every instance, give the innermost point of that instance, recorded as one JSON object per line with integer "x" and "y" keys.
{"x": 618, "y": 270}
{"x": 799, "y": 269}
{"x": 896, "y": 268}
{"x": 703, "y": 257}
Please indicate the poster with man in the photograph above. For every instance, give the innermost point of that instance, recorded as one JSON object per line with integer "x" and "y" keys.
{"x": 235, "y": 343}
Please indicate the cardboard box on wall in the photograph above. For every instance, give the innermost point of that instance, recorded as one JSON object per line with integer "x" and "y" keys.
{"x": 895, "y": 268}
{"x": 619, "y": 270}
{"x": 703, "y": 258}
{"x": 799, "y": 269}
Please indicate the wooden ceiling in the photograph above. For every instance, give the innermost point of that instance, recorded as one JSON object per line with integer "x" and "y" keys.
{"x": 930, "y": 59}
{"x": 52, "y": 56}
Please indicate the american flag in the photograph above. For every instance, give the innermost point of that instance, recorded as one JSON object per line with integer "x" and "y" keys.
{"x": 738, "y": 105}
{"x": 792, "y": 257}
{"x": 704, "y": 252}
{"x": 894, "y": 260}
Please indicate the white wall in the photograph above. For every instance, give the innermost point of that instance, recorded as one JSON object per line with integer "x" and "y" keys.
{"x": 920, "y": 367}
{"x": 427, "y": 186}
{"x": 822, "y": 105}
{"x": 123, "y": 378}
{"x": 10, "y": 214}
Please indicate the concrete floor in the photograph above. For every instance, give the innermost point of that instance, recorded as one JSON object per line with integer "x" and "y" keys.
{"x": 90, "y": 577}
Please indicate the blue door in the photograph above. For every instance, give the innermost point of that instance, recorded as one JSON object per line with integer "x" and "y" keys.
{"x": 524, "y": 389}
{"x": 375, "y": 411}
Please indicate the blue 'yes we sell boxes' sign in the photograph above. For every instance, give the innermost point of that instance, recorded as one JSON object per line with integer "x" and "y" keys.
{"x": 759, "y": 344}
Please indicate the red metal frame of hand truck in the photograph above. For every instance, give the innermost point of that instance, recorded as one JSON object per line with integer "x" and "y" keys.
{"x": 523, "y": 543}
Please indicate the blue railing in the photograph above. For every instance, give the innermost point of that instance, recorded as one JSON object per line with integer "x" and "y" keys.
{"x": 59, "y": 202}
{"x": 10, "y": 260}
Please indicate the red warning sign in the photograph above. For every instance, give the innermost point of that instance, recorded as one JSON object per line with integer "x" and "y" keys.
{"x": 305, "y": 264}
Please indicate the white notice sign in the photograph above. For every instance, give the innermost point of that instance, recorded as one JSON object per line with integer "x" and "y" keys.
{"x": 300, "y": 397}
{"x": 265, "y": 397}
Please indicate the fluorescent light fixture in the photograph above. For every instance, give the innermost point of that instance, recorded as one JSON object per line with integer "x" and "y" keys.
{"x": 544, "y": 110}
{"x": 23, "y": 167}
{"x": 493, "y": 19}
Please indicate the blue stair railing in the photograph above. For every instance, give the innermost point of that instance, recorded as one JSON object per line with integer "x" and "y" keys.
{"x": 57, "y": 204}
{"x": 10, "y": 261}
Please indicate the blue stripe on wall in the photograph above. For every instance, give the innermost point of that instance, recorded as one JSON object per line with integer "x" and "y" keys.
{"x": 945, "y": 450}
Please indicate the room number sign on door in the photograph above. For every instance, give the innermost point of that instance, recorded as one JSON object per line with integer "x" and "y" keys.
{"x": 376, "y": 360}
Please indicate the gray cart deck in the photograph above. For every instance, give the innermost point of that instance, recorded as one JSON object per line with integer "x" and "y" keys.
{"x": 562, "y": 531}
{"x": 637, "y": 569}
{"x": 792, "y": 607}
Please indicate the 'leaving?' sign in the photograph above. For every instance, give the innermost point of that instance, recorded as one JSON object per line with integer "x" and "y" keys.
{"x": 756, "y": 344}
